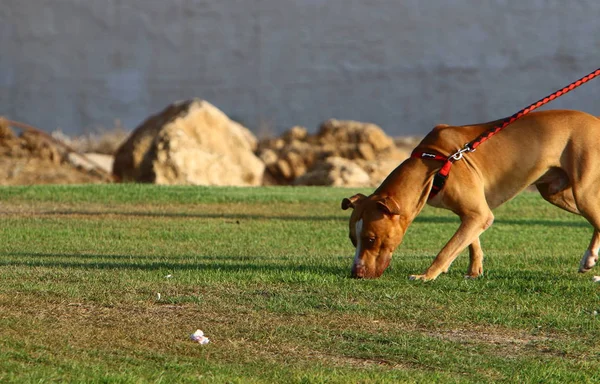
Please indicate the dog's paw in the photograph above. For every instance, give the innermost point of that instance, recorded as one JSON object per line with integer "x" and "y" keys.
{"x": 588, "y": 261}
{"x": 471, "y": 277}
{"x": 419, "y": 277}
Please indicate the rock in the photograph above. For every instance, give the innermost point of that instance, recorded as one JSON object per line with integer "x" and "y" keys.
{"x": 90, "y": 161}
{"x": 356, "y": 133}
{"x": 30, "y": 144}
{"x": 295, "y": 133}
{"x": 335, "y": 171}
{"x": 190, "y": 142}
{"x": 33, "y": 171}
{"x": 103, "y": 141}
{"x": 379, "y": 169}
{"x": 33, "y": 158}
{"x": 5, "y": 132}
{"x": 325, "y": 158}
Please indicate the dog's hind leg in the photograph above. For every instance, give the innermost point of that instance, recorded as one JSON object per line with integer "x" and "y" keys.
{"x": 590, "y": 257}
{"x": 475, "y": 260}
{"x": 556, "y": 189}
{"x": 587, "y": 198}
{"x": 565, "y": 199}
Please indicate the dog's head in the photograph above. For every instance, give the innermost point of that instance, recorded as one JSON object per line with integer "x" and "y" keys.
{"x": 375, "y": 230}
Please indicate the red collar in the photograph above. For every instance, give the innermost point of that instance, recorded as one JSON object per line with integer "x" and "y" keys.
{"x": 440, "y": 178}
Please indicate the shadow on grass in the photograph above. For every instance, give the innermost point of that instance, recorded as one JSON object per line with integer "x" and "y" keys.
{"x": 540, "y": 222}
{"x": 341, "y": 217}
{"x": 229, "y": 216}
{"x": 201, "y": 263}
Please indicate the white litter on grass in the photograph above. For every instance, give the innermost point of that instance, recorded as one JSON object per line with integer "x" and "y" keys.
{"x": 596, "y": 279}
{"x": 157, "y": 296}
{"x": 168, "y": 276}
{"x": 199, "y": 337}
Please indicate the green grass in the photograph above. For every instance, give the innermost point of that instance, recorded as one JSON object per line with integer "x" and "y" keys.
{"x": 264, "y": 272}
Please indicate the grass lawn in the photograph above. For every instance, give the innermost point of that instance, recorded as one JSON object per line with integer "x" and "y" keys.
{"x": 264, "y": 273}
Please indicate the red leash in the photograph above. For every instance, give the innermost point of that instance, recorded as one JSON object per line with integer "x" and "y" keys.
{"x": 440, "y": 178}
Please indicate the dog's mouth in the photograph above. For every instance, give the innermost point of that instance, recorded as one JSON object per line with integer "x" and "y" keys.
{"x": 358, "y": 272}
{"x": 362, "y": 272}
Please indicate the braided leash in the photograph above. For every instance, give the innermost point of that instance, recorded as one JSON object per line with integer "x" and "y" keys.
{"x": 440, "y": 178}
{"x": 509, "y": 120}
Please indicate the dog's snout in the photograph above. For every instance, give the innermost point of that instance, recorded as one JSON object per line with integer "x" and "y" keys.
{"x": 358, "y": 271}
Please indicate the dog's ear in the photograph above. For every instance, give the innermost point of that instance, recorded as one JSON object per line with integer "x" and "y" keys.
{"x": 440, "y": 126}
{"x": 389, "y": 206}
{"x": 352, "y": 201}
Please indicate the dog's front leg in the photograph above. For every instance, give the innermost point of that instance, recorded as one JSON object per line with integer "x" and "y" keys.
{"x": 472, "y": 225}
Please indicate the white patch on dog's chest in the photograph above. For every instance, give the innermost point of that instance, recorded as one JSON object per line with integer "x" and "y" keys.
{"x": 358, "y": 230}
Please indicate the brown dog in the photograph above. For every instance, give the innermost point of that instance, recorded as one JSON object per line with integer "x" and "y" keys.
{"x": 558, "y": 151}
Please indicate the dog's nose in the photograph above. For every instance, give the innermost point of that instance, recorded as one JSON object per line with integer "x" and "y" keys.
{"x": 358, "y": 271}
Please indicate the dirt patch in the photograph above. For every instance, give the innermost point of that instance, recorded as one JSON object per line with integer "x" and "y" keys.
{"x": 505, "y": 342}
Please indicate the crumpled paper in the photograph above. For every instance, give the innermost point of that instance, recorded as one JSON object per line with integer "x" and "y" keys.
{"x": 199, "y": 337}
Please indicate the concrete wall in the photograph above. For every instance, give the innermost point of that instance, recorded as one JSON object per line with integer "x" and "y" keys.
{"x": 403, "y": 64}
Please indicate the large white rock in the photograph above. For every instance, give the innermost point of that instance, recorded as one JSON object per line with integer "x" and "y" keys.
{"x": 193, "y": 143}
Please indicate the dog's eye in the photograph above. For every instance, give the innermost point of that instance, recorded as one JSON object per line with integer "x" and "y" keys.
{"x": 369, "y": 241}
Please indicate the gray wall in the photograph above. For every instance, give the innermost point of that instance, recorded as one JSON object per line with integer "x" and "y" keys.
{"x": 403, "y": 64}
